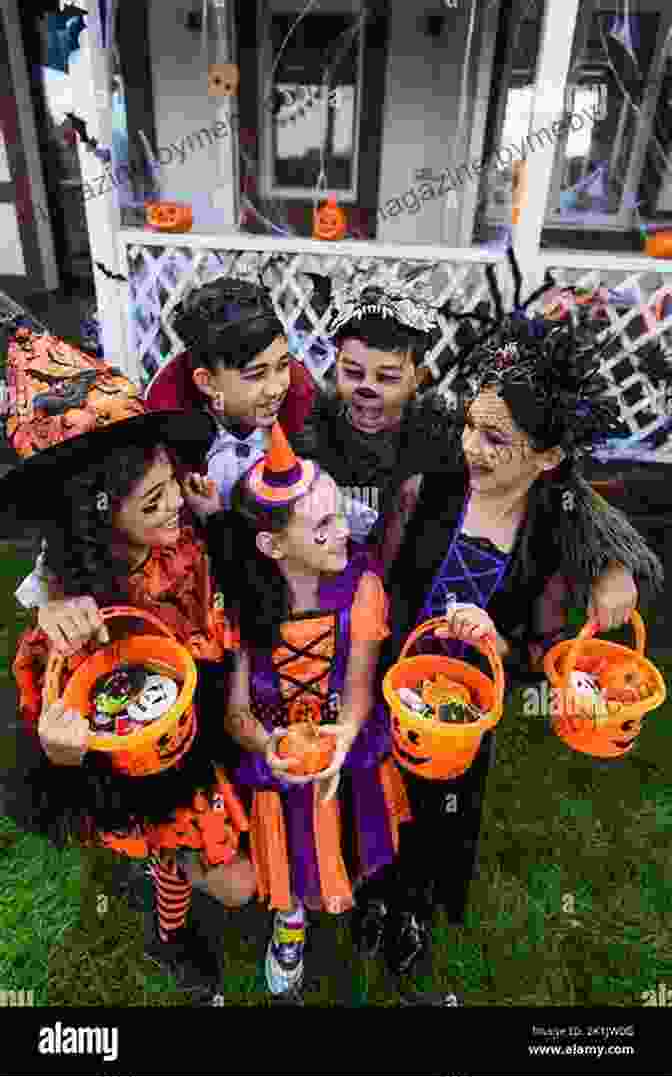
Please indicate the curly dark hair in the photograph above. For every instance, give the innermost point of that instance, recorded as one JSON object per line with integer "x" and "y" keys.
{"x": 80, "y": 538}
{"x": 226, "y": 323}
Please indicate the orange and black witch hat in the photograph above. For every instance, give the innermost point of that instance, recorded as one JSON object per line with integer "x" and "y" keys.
{"x": 281, "y": 477}
{"x": 66, "y": 410}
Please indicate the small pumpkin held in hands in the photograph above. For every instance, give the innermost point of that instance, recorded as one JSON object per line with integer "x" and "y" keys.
{"x": 312, "y": 749}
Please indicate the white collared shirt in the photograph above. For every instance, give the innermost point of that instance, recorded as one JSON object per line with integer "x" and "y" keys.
{"x": 229, "y": 457}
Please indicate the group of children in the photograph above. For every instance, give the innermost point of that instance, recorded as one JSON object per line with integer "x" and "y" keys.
{"x": 323, "y": 527}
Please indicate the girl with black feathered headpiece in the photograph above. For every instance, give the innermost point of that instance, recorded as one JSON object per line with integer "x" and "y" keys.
{"x": 506, "y": 538}
{"x": 378, "y": 429}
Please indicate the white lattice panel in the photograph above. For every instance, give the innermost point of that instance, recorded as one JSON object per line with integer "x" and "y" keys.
{"x": 160, "y": 276}
{"x": 644, "y": 407}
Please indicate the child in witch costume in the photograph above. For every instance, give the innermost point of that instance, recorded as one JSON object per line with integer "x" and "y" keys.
{"x": 312, "y": 619}
{"x": 514, "y": 534}
{"x": 98, "y": 477}
{"x": 238, "y": 370}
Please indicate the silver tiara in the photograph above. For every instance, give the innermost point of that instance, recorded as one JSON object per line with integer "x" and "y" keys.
{"x": 354, "y": 300}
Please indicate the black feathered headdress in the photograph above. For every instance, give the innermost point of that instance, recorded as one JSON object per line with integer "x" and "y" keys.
{"x": 549, "y": 371}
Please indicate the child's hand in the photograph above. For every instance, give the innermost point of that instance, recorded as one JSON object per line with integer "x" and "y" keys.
{"x": 466, "y": 622}
{"x": 71, "y": 622}
{"x": 613, "y": 598}
{"x": 64, "y": 735}
{"x": 201, "y": 495}
{"x": 346, "y": 734}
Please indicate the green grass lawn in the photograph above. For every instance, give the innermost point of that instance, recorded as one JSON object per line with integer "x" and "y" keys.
{"x": 573, "y": 905}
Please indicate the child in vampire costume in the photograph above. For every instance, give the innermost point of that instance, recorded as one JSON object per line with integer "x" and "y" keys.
{"x": 237, "y": 364}
{"x": 536, "y": 384}
{"x": 89, "y": 450}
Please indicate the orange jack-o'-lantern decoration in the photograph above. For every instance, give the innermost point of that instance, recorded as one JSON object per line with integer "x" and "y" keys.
{"x": 659, "y": 244}
{"x": 426, "y": 746}
{"x": 169, "y": 216}
{"x": 161, "y": 743}
{"x": 611, "y": 731}
{"x": 223, "y": 80}
{"x": 312, "y": 750}
{"x": 329, "y": 221}
{"x": 519, "y": 189}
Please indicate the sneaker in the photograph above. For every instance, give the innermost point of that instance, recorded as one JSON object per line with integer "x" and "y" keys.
{"x": 417, "y": 998}
{"x": 293, "y": 997}
{"x": 407, "y": 939}
{"x": 187, "y": 957}
{"x": 284, "y": 957}
{"x": 368, "y": 927}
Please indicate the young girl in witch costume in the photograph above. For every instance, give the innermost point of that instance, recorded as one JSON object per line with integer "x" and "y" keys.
{"x": 312, "y": 619}
{"x": 515, "y": 534}
{"x": 238, "y": 370}
{"x": 98, "y": 476}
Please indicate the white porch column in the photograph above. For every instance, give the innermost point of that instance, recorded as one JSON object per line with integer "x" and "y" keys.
{"x": 555, "y": 51}
{"x": 91, "y": 95}
{"x": 225, "y": 197}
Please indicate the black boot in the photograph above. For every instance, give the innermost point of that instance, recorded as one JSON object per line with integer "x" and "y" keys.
{"x": 368, "y": 927}
{"x": 188, "y": 956}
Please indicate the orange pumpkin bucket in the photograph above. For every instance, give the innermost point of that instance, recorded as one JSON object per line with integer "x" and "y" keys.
{"x": 610, "y": 731}
{"x": 427, "y": 746}
{"x": 159, "y": 746}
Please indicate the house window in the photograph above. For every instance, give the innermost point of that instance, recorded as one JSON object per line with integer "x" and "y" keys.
{"x": 616, "y": 179}
{"x": 612, "y": 175}
{"x": 310, "y": 111}
{"x": 512, "y": 92}
{"x": 311, "y": 118}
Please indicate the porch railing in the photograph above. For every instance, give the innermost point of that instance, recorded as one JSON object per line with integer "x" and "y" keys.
{"x": 160, "y": 271}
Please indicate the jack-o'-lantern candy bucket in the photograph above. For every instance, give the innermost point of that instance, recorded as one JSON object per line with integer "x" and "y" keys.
{"x": 427, "y": 746}
{"x": 160, "y": 744}
{"x": 629, "y": 687}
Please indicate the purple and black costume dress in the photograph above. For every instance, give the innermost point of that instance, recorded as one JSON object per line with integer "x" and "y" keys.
{"x": 317, "y": 851}
{"x": 436, "y": 560}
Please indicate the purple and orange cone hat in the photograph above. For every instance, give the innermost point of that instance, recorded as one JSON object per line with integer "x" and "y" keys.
{"x": 281, "y": 477}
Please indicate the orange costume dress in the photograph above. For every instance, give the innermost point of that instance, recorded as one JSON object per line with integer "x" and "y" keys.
{"x": 192, "y": 805}
{"x": 300, "y": 844}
